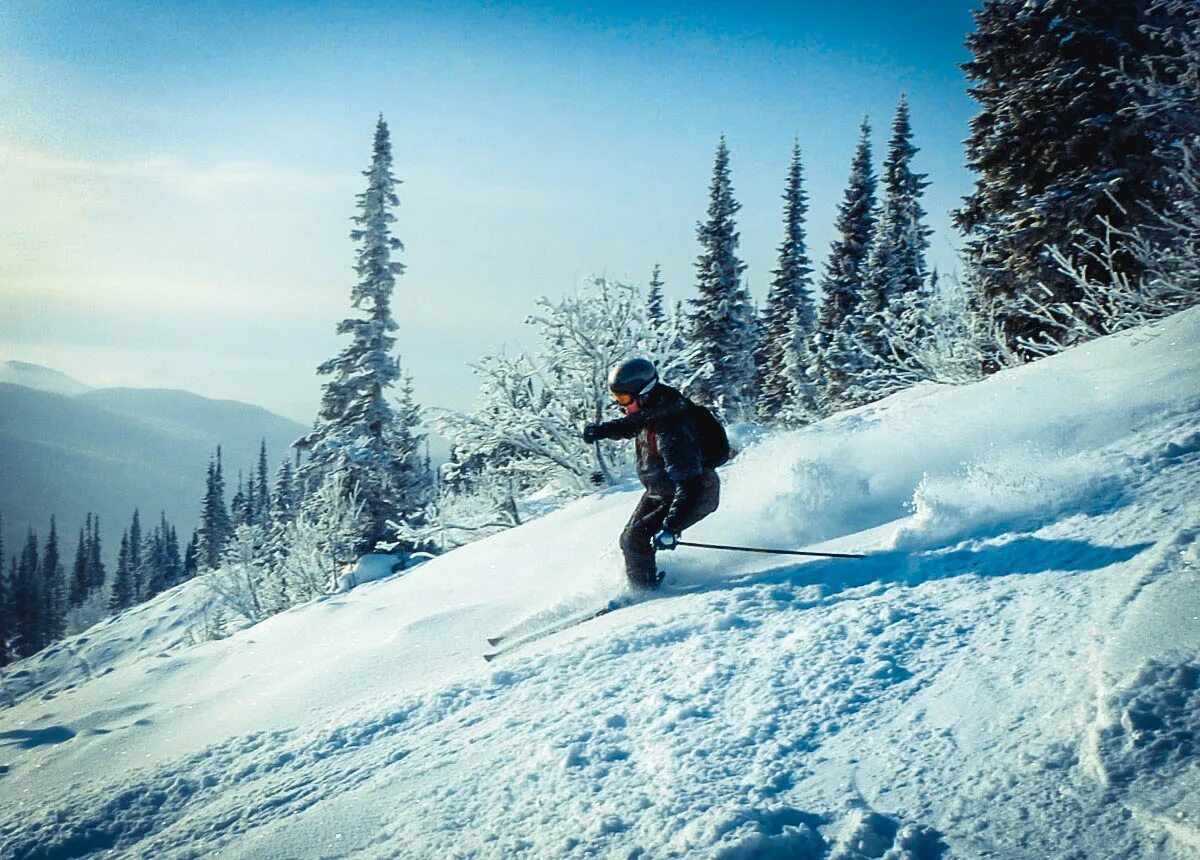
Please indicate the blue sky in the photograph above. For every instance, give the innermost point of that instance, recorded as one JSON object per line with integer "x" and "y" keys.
{"x": 180, "y": 176}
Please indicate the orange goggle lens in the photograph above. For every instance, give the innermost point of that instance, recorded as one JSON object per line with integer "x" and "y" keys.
{"x": 622, "y": 398}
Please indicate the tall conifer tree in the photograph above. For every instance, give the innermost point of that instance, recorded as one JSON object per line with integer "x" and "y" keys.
{"x": 215, "y": 525}
{"x": 723, "y": 321}
{"x": 789, "y": 317}
{"x": 135, "y": 541}
{"x": 191, "y": 557}
{"x": 1056, "y": 148}
{"x": 123, "y": 595}
{"x": 54, "y": 591}
{"x": 262, "y": 488}
{"x": 29, "y": 635}
{"x": 78, "y": 590}
{"x": 896, "y": 274}
{"x": 654, "y": 302}
{"x": 842, "y": 280}
{"x": 95, "y": 565}
{"x": 356, "y": 432}
{"x": 5, "y": 602}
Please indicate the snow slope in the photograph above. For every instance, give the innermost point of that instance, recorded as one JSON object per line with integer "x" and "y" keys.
{"x": 1013, "y": 672}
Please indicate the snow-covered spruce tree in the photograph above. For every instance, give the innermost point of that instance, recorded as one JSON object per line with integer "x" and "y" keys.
{"x": 1167, "y": 95}
{"x": 891, "y": 322}
{"x": 1056, "y": 148}
{"x": 1164, "y": 93}
{"x": 135, "y": 539}
{"x": 836, "y": 352}
{"x": 724, "y": 330}
{"x": 357, "y": 433}
{"x": 27, "y": 596}
{"x": 96, "y": 572}
{"x": 77, "y": 589}
{"x": 215, "y": 524}
{"x": 262, "y": 488}
{"x": 191, "y": 557}
{"x": 54, "y": 591}
{"x": 654, "y": 301}
{"x": 123, "y": 593}
{"x": 161, "y": 565}
{"x": 5, "y": 602}
{"x": 5, "y": 610}
{"x": 239, "y": 506}
{"x": 789, "y": 318}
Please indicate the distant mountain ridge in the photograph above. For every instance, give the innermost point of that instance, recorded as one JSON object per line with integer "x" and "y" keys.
{"x": 110, "y": 450}
{"x": 40, "y": 377}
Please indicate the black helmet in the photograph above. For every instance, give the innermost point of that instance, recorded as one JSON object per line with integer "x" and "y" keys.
{"x": 634, "y": 376}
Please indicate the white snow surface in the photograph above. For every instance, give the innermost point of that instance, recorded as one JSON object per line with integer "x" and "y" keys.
{"x": 1012, "y": 672}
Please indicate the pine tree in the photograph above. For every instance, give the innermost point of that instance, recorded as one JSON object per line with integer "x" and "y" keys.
{"x": 1056, "y": 149}
{"x": 895, "y": 276}
{"x": 29, "y": 635}
{"x": 160, "y": 568}
{"x": 415, "y": 477}
{"x": 789, "y": 317}
{"x": 6, "y": 609}
{"x": 215, "y": 525}
{"x": 135, "y": 541}
{"x": 78, "y": 591}
{"x": 191, "y": 557}
{"x": 262, "y": 489}
{"x": 842, "y": 280}
{"x": 241, "y": 506}
{"x": 356, "y": 432}
{"x": 96, "y": 574}
{"x": 174, "y": 559}
{"x": 723, "y": 322}
{"x": 54, "y": 597}
{"x": 654, "y": 302}
{"x": 123, "y": 594}
{"x": 284, "y": 501}
{"x": 5, "y": 602}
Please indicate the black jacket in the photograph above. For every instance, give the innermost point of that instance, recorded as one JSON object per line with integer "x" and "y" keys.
{"x": 669, "y": 462}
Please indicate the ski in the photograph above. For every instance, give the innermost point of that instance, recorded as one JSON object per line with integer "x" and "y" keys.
{"x": 511, "y": 643}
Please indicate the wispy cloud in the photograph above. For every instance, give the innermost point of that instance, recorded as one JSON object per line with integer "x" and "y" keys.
{"x": 22, "y": 165}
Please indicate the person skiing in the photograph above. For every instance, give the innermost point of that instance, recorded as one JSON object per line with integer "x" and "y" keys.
{"x": 682, "y": 487}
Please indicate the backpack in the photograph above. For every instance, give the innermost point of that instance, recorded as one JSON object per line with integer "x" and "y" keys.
{"x": 714, "y": 443}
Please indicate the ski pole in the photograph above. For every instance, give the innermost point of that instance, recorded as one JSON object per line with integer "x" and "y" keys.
{"x": 771, "y": 551}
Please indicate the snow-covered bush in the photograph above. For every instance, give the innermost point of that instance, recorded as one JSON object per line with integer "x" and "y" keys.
{"x": 240, "y": 584}
{"x": 253, "y": 584}
{"x": 525, "y": 430}
{"x": 1168, "y": 254}
{"x": 321, "y": 542}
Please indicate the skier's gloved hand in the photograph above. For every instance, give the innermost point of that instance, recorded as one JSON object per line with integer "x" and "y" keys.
{"x": 666, "y": 540}
{"x": 591, "y": 433}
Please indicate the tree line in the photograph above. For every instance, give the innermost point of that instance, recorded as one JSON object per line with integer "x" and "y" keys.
{"x": 44, "y": 596}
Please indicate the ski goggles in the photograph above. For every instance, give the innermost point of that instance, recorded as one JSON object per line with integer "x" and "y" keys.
{"x": 623, "y": 398}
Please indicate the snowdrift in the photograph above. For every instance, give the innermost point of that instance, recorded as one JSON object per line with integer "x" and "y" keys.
{"x": 1013, "y": 672}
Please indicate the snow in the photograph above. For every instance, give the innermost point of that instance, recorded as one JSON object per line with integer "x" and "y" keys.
{"x": 1011, "y": 673}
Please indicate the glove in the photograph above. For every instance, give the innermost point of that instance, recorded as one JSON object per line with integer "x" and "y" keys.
{"x": 665, "y": 540}
{"x": 591, "y": 433}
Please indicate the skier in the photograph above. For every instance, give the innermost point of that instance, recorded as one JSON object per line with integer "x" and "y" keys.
{"x": 682, "y": 487}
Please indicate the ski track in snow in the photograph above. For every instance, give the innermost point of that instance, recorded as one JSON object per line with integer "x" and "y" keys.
{"x": 1012, "y": 673}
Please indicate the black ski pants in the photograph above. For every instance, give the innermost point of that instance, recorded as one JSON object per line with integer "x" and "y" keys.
{"x": 647, "y": 520}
